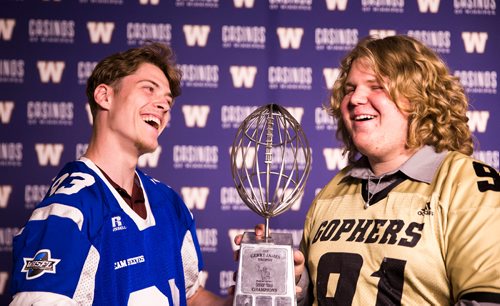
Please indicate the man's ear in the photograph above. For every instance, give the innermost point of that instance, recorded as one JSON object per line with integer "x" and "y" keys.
{"x": 102, "y": 95}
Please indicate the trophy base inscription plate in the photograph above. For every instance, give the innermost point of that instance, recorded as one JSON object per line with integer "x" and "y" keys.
{"x": 265, "y": 274}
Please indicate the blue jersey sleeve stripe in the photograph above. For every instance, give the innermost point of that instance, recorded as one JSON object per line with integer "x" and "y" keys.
{"x": 59, "y": 210}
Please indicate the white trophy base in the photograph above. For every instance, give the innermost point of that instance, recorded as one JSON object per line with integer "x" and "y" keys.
{"x": 265, "y": 273}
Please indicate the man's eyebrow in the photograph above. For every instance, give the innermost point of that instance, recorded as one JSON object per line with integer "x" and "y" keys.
{"x": 374, "y": 80}
{"x": 369, "y": 81}
{"x": 169, "y": 94}
{"x": 149, "y": 81}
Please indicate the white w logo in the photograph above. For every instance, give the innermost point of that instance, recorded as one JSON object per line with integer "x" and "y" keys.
{"x": 195, "y": 197}
{"x": 334, "y": 158}
{"x": 5, "y": 191}
{"x": 243, "y": 76}
{"x": 249, "y": 154}
{"x": 195, "y": 115}
{"x": 4, "y": 276}
{"x": 49, "y": 153}
{"x": 290, "y": 37}
{"x": 243, "y": 3}
{"x": 478, "y": 120}
{"x": 146, "y": 2}
{"x": 382, "y": 33}
{"x": 50, "y": 71}
{"x": 196, "y": 34}
{"x": 6, "y": 28}
{"x": 100, "y": 31}
{"x": 425, "y": 5}
{"x": 332, "y": 5}
{"x": 6, "y": 108}
{"x": 89, "y": 113}
{"x": 150, "y": 159}
{"x": 330, "y": 75}
{"x": 296, "y": 112}
{"x": 474, "y": 41}
{"x": 287, "y": 194}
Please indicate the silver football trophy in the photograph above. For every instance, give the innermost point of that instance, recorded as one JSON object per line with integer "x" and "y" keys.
{"x": 270, "y": 163}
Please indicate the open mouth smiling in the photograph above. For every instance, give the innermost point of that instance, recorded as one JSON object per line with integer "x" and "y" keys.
{"x": 153, "y": 121}
{"x": 363, "y": 117}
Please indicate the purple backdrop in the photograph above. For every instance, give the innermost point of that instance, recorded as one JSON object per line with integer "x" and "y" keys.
{"x": 236, "y": 55}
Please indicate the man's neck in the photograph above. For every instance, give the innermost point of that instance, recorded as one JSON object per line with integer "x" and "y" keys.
{"x": 117, "y": 164}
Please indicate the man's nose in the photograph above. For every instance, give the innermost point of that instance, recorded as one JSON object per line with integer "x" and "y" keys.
{"x": 358, "y": 96}
{"x": 162, "y": 103}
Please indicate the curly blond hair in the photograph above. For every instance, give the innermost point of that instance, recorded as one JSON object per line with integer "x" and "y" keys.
{"x": 438, "y": 104}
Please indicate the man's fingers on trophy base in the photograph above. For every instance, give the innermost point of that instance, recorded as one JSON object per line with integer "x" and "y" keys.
{"x": 298, "y": 258}
{"x": 298, "y": 289}
{"x": 237, "y": 239}
{"x": 298, "y": 265}
{"x": 230, "y": 290}
{"x": 259, "y": 229}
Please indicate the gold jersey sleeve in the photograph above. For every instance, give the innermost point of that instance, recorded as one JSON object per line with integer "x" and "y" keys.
{"x": 423, "y": 244}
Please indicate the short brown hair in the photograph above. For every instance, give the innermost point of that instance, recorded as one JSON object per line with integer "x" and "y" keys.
{"x": 112, "y": 69}
{"x": 438, "y": 104}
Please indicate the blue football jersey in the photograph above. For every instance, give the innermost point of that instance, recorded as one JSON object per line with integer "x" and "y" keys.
{"x": 84, "y": 242}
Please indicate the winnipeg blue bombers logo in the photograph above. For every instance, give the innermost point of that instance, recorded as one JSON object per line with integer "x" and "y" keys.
{"x": 41, "y": 263}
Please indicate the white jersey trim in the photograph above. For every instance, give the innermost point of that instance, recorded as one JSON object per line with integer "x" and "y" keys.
{"x": 142, "y": 224}
{"x": 40, "y": 298}
{"x": 84, "y": 293}
{"x": 190, "y": 264}
{"x": 60, "y": 210}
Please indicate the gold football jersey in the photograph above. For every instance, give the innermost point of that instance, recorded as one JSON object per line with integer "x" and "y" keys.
{"x": 423, "y": 244}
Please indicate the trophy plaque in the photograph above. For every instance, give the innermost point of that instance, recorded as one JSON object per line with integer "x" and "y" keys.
{"x": 270, "y": 164}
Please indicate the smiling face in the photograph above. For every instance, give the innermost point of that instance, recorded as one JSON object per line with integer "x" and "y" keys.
{"x": 140, "y": 109}
{"x": 374, "y": 122}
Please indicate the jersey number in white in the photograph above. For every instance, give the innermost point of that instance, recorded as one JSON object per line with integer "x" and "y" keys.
{"x": 78, "y": 181}
{"x": 153, "y": 296}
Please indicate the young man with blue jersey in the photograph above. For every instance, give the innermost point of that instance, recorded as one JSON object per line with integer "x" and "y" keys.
{"x": 106, "y": 233}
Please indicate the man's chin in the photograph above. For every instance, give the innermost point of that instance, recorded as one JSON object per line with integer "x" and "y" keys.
{"x": 148, "y": 149}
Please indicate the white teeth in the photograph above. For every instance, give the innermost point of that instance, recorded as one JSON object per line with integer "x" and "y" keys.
{"x": 149, "y": 119}
{"x": 364, "y": 117}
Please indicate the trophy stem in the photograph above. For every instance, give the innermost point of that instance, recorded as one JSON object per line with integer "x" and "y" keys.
{"x": 266, "y": 228}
